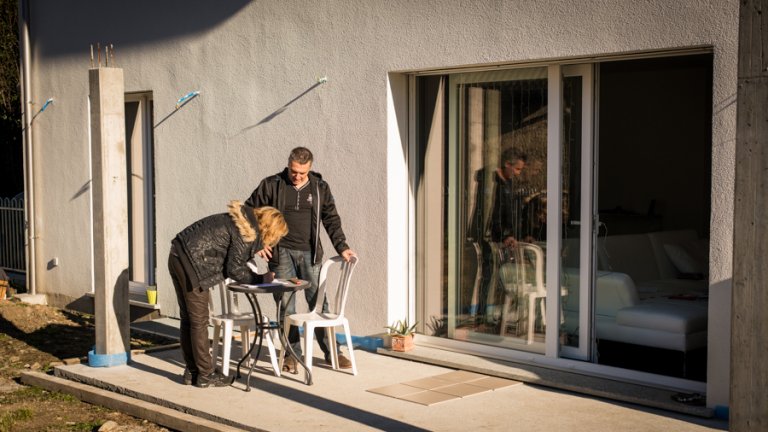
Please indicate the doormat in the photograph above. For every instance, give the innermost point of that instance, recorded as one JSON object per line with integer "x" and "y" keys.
{"x": 445, "y": 387}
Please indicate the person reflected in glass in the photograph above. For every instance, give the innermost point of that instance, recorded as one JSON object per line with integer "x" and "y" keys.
{"x": 496, "y": 234}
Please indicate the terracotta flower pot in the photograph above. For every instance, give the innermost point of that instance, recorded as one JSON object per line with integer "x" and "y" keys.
{"x": 402, "y": 343}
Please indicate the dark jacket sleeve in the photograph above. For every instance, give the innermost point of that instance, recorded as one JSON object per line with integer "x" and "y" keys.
{"x": 331, "y": 219}
{"x": 236, "y": 262}
{"x": 236, "y": 267}
{"x": 263, "y": 195}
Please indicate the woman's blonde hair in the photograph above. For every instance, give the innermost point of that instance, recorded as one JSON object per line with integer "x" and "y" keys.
{"x": 272, "y": 226}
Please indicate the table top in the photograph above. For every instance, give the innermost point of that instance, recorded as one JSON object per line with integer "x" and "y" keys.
{"x": 278, "y": 286}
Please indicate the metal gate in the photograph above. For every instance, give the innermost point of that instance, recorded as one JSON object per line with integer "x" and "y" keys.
{"x": 12, "y": 234}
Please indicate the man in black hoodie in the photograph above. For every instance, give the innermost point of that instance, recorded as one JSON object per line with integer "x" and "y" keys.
{"x": 306, "y": 201}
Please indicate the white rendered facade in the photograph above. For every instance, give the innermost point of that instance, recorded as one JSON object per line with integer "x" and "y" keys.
{"x": 256, "y": 65}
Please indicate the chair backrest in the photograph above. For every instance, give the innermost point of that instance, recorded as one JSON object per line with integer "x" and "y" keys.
{"x": 337, "y": 303}
{"x": 532, "y": 252}
{"x": 227, "y": 299}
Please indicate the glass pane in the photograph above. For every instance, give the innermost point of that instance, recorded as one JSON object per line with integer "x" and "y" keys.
{"x": 499, "y": 237}
{"x": 571, "y": 168}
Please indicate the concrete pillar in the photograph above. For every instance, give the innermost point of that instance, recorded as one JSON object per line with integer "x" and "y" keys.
{"x": 749, "y": 316}
{"x": 110, "y": 218}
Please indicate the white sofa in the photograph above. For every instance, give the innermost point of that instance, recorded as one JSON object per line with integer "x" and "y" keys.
{"x": 640, "y": 297}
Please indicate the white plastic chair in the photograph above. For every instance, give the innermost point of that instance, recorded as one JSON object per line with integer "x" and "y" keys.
{"x": 230, "y": 317}
{"x": 535, "y": 290}
{"x": 528, "y": 254}
{"x": 330, "y": 320}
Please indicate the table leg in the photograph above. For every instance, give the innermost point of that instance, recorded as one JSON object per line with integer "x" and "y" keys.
{"x": 260, "y": 328}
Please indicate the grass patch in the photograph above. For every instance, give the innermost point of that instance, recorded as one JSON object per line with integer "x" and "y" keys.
{"x": 9, "y": 419}
{"x": 34, "y": 394}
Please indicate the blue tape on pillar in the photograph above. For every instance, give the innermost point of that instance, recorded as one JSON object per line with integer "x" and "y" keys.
{"x": 722, "y": 412}
{"x": 107, "y": 360}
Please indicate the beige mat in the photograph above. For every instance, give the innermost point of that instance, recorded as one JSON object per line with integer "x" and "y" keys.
{"x": 443, "y": 387}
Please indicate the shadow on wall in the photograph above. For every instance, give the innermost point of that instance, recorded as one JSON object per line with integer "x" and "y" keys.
{"x": 278, "y": 111}
{"x": 123, "y": 24}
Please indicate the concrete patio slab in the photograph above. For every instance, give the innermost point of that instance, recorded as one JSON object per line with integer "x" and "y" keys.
{"x": 339, "y": 401}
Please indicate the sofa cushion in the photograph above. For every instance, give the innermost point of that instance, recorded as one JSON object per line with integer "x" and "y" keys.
{"x": 609, "y": 330}
{"x": 671, "y": 287}
{"x": 665, "y": 266}
{"x": 615, "y": 292}
{"x": 677, "y": 317}
{"x": 682, "y": 260}
{"x": 632, "y": 254}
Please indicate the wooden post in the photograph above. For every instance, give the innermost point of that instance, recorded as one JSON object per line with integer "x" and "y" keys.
{"x": 110, "y": 218}
{"x": 748, "y": 407}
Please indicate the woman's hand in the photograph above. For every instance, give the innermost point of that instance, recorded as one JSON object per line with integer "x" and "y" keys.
{"x": 265, "y": 253}
{"x": 268, "y": 277}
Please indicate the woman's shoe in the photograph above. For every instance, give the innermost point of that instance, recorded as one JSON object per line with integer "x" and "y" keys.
{"x": 189, "y": 377}
{"x": 213, "y": 380}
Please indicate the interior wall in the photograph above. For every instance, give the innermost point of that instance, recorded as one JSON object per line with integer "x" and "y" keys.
{"x": 655, "y": 144}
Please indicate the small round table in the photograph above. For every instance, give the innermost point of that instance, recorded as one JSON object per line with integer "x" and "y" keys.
{"x": 251, "y": 292}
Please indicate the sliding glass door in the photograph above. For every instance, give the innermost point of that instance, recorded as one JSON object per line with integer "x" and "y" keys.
{"x": 497, "y": 174}
{"x": 494, "y": 154}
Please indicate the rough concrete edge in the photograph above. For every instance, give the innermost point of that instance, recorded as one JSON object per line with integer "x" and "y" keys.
{"x": 519, "y": 373}
{"x": 33, "y": 299}
{"x": 133, "y": 405}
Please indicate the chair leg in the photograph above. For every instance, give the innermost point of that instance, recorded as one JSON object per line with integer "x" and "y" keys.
{"x": 531, "y": 317}
{"x": 245, "y": 343}
{"x": 308, "y": 345}
{"x": 348, "y": 336}
{"x": 271, "y": 336}
{"x": 226, "y": 349}
{"x": 216, "y": 341}
{"x": 505, "y": 314}
{"x": 330, "y": 335}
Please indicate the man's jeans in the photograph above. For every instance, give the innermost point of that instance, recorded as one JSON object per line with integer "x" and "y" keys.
{"x": 297, "y": 263}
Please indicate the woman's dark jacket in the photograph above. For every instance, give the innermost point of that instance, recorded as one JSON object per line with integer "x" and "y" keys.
{"x": 219, "y": 246}
{"x": 271, "y": 192}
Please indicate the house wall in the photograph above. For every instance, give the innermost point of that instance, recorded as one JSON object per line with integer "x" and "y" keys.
{"x": 255, "y": 64}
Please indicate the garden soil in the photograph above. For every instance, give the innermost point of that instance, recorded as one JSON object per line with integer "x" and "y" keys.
{"x": 36, "y": 337}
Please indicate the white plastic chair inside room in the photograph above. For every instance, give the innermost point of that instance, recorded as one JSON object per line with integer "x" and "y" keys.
{"x": 231, "y": 317}
{"x": 528, "y": 257}
{"x": 337, "y": 300}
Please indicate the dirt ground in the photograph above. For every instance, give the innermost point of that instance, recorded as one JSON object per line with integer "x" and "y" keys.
{"x": 38, "y": 337}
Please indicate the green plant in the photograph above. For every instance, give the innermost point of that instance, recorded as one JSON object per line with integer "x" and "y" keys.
{"x": 401, "y": 328}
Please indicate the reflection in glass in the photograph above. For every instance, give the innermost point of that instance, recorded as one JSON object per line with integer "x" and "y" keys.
{"x": 571, "y": 168}
{"x": 501, "y": 140}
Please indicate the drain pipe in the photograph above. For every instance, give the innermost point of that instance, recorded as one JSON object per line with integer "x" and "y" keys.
{"x": 28, "y": 153}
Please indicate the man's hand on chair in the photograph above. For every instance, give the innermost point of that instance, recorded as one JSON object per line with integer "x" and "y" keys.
{"x": 348, "y": 254}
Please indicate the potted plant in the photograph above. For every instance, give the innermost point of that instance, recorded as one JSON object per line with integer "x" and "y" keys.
{"x": 402, "y": 335}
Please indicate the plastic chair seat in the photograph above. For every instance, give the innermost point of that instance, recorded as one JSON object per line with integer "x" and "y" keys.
{"x": 328, "y": 320}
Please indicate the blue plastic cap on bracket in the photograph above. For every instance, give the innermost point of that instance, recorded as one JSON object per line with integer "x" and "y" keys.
{"x": 186, "y": 97}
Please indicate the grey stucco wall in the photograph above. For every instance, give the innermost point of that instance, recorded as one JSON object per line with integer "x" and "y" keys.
{"x": 251, "y": 60}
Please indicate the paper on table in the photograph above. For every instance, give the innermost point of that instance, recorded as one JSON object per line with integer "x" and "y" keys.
{"x": 287, "y": 282}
